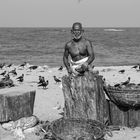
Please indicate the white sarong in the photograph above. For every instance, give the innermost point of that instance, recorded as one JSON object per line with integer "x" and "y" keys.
{"x": 77, "y": 64}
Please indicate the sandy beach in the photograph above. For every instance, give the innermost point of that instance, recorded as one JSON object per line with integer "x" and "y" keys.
{"x": 49, "y": 102}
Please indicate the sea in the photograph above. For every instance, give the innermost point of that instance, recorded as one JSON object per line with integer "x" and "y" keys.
{"x": 45, "y": 46}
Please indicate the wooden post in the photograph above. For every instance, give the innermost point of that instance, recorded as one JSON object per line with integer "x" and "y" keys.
{"x": 84, "y": 97}
{"x": 16, "y": 104}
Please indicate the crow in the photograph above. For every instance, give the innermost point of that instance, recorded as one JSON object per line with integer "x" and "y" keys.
{"x": 56, "y": 79}
{"x": 44, "y": 84}
{"x": 117, "y": 85}
{"x": 24, "y": 64}
{"x": 13, "y": 71}
{"x": 126, "y": 82}
{"x": 33, "y": 67}
{"x": 41, "y": 79}
{"x": 121, "y": 71}
{"x": 20, "y": 78}
{"x": 2, "y": 65}
{"x": 135, "y": 66}
{"x": 61, "y": 68}
{"x": 9, "y": 65}
{"x": 3, "y": 73}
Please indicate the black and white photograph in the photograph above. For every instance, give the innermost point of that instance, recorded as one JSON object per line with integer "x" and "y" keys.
{"x": 69, "y": 70}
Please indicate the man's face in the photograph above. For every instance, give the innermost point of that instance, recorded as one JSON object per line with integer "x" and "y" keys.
{"x": 77, "y": 34}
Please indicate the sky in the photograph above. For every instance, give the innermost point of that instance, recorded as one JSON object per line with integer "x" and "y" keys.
{"x": 63, "y": 13}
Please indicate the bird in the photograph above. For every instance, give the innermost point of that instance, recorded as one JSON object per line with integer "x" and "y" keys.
{"x": 126, "y": 82}
{"x": 20, "y": 78}
{"x": 44, "y": 84}
{"x": 61, "y": 68}
{"x": 41, "y": 79}
{"x": 33, "y": 67}
{"x": 56, "y": 79}
{"x": 2, "y": 65}
{"x": 117, "y": 85}
{"x": 3, "y": 73}
{"x": 24, "y": 64}
{"x": 9, "y": 65}
{"x": 13, "y": 71}
{"x": 135, "y": 66}
{"x": 6, "y": 77}
{"x": 121, "y": 71}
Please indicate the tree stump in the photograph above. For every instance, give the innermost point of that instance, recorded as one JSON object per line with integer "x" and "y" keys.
{"x": 16, "y": 104}
{"x": 84, "y": 97}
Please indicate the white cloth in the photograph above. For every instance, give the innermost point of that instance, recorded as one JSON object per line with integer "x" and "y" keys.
{"x": 77, "y": 64}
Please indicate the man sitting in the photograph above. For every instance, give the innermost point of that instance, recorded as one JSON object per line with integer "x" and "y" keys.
{"x": 80, "y": 50}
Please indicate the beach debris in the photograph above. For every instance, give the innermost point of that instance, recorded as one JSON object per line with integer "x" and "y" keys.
{"x": 3, "y": 73}
{"x": 56, "y": 79}
{"x": 33, "y": 67}
{"x": 20, "y": 78}
{"x": 44, "y": 84}
{"x": 61, "y": 68}
{"x": 121, "y": 71}
{"x": 17, "y": 127}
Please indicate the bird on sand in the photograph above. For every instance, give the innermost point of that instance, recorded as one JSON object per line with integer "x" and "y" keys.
{"x": 2, "y": 65}
{"x": 56, "y": 79}
{"x": 20, "y": 78}
{"x": 44, "y": 84}
{"x": 33, "y": 67}
{"x": 23, "y": 65}
{"x": 9, "y": 65}
{"x": 3, "y": 73}
{"x": 121, "y": 71}
{"x": 135, "y": 66}
{"x": 41, "y": 79}
{"x": 13, "y": 71}
{"x": 126, "y": 82}
{"x": 61, "y": 68}
{"x": 117, "y": 85}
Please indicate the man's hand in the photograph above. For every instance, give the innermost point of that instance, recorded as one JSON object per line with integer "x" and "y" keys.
{"x": 69, "y": 71}
{"x": 84, "y": 66}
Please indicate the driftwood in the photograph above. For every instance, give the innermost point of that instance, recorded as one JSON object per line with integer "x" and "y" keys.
{"x": 16, "y": 104}
{"x": 84, "y": 97}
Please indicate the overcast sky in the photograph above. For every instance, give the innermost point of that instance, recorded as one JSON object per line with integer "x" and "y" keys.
{"x": 62, "y": 13}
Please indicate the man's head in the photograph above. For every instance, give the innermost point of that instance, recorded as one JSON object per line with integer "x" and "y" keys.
{"x": 77, "y": 30}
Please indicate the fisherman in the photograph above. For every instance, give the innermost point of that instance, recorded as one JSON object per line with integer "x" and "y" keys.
{"x": 80, "y": 50}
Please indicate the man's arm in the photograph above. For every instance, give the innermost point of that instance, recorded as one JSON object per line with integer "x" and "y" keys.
{"x": 65, "y": 59}
{"x": 90, "y": 51}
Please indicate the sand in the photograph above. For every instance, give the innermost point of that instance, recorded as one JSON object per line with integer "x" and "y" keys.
{"x": 49, "y": 102}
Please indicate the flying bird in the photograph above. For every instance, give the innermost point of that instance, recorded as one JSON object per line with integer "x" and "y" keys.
{"x": 56, "y": 79}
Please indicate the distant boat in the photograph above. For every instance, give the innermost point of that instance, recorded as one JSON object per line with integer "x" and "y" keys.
{"x": 115, "y": 30}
